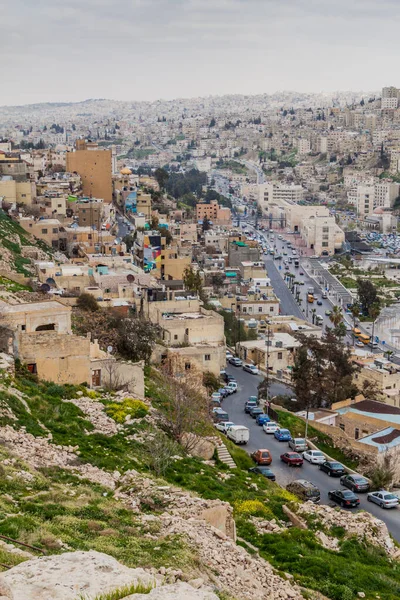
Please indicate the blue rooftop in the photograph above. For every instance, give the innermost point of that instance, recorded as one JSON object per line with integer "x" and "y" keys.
{"x": 384, "y": 439}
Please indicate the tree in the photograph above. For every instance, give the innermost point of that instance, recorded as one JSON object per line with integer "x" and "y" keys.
{"x": 206, "y": 224}
{"x": 368, "y": 294}
{"x": 185, "y": 411}
{"x": 88, "y": 302}
{"x": 336, "y": 318}
{"x": 211, "y": 382}
{"x": 162, "y": 177}
{"x": 218, "y": 280}
{"x": 382, "y": 475}
{"x": 137, "y": 338}
{"x": 192, "y": 280}
{"x": 212, "y": 123}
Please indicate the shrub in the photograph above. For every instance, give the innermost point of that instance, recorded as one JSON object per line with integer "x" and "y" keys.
{"x": 135, "y": 409}
{"x": 88, "y": 302}
{"x": 254, "y": 508}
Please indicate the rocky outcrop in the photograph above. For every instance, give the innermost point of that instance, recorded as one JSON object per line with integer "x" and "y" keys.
{"x": 176, "y": 591}
{"x": 94, "y": 411}
{"x": 362, "y": 525}
{"x": 69, "y": 575}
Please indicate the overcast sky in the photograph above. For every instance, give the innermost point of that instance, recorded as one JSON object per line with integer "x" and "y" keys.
{"x": 69, "y": 50}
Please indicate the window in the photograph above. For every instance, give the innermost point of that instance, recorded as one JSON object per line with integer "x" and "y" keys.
{"x": 23, "y": 195}
{"x": 55, "y": 230}
{"x": 325, "y": 244}
{"x": 175, "y": 337}
{"x": 44, "y": 230}
{"x": 271, "y": 309}
{"x": 341, "y": 426}
{"x": 187, "y": 366}
{"x": 23, "y": 327}
{"x": 207, "y": 357}
{"x": 356, "y": 433}
{"x": 244, "y": 309}
{"x": 260, "y": 309}
{"x": 280, "y": 355}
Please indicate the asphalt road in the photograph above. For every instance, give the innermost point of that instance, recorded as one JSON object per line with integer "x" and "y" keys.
{"x": 234, "y": 406}
{"x": 288, "y": 304}
{"x": 123, "y": 225}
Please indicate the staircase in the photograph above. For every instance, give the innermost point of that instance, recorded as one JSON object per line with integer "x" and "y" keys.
{"x": 225, "y": 457}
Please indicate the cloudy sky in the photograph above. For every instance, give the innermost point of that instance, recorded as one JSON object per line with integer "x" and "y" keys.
{"x": 69, "y": 50}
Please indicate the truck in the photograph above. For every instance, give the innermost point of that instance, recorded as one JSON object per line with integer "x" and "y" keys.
{"x": 239, "y": 434}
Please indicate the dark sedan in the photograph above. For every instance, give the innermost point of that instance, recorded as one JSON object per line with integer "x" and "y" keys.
{"x": 356, "y": 483}
{"x": 334, "y": 469}
{"x": 293, "y": 459}
{"x": 345, "y": 498}
{"x": 264, "y": 471}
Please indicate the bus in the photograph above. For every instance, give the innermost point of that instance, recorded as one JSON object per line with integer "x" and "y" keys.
{"x": 364, "y": 338}
{"x": 356, "y": 332}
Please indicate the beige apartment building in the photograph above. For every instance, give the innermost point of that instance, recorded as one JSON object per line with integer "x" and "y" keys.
{"x": 94, "y": 165}
{"x": 322, "y": 234}
{"x": 49, "y": 230}
{"x": 213, "y": 212}
{"x": 277, "y": 355}
{"x": 279, "y": 194}
{"x": 13, "y": 191}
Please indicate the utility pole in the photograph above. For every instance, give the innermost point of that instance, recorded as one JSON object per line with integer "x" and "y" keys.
{"x": 267, "y": 366}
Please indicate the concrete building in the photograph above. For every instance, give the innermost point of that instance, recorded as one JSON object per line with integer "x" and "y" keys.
{"x": 272, "y": 193}
{"x": 50, "y": 231}
{"x": 213, "y": 212}
{"x": 94, "y": 165}
{"x": 385, "y": 194}
{"x": 276, "y": 354}
{"x": 13, "y": 191}
{"x": 322, "y": 234}
{"x": 239, "y": 252}
{"x": 89, "y": 212}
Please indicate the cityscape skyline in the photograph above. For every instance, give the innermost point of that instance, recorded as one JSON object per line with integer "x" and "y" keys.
{"x": 158, "y": 49}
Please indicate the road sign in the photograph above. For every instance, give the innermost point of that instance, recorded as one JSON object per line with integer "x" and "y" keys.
{"x": 383, "y": 342}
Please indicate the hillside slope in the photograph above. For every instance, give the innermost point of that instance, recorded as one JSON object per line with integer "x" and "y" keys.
{"x": 74, "y": 479}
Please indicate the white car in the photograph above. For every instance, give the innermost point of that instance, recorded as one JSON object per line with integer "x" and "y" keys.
{"x": 251, "y": 369}
{"x": 228, "y": 355}
{"x": 316, "y": 457}
{"x": 224, "y": 426}
{"x": 232, "y": 385}
{"x": 270, "y": 427}
{"x": 383, "y": 498}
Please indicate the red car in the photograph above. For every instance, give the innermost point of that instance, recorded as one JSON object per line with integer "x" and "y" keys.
{"x": 292, "y": 459}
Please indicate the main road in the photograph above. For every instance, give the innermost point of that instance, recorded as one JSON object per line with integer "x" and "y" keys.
{"x": 234, "y": 406}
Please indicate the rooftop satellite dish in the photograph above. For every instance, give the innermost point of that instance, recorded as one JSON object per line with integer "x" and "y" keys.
{"x": 130, "y": 278}
{"x": 45, "y": 288}
{"x": 109, "y": 349}
{"x": 50, "y": 281}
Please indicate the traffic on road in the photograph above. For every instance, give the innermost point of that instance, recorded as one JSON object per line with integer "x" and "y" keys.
{"x": 329, "y": 478}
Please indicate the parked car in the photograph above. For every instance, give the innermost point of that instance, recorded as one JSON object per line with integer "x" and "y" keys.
{"x": 305, "y": 490}
{"x": 228, "y": 355}
{"x": 220, "y": 416}
{"x": 224, "y": 393}
{"x": 383, "y": 498}
{"x": 216, "y": 396}
{"x": 235, "y": 361}
{"x": 293, "y": 459}
{"x": 356, "y": 483}
{"x": 228, "y": 377}
{"x": 315, "y": 457}
{"x": 298, "y": 444}
{"x": 270, "y": 427}
{"x": 249, "y": 404}
{"x": 262, "y": 457}
{"x": 255, "y": 411}
{"x": 262, "y": 418}
{"x": 264, "y": 471}
{"x": 238, "y": 434}
{"x": 359, "y": 344}
{"x": 228, "y": 390}
{"x": 232, "y": 385}
{"x": 224, "y": 425}
{"x": 334, "y": 469}
{"x": 345, "y": 498}
{"x": 251, "y": 369}
{"x": 282, "y": 435}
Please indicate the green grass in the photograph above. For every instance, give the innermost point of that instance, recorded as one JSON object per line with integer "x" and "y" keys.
{"x": 325, "y": 443}
{"x": 13, "y": 286}
{"x": 122, "y": 592}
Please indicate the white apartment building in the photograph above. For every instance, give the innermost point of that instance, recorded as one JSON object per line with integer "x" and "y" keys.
{"x": 322, "y": 144}
{"x": 271, "y": 193}
{"x": 303, "y": 146}
{"x": 363, "y": 198}
{"x": 390, "y": 103}
{"x": 390, "y": 92}
{"x": 385, "y": 193}
{"x": 322, "y": 234}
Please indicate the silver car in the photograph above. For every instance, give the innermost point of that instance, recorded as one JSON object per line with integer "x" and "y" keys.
{"x": 298, "y": 444}
{"x": 383, "y": 499}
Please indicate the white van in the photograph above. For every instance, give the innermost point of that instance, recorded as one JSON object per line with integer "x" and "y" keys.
{"x": 238, "y": 434}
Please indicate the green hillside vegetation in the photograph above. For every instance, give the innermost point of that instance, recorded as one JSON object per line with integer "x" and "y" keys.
{"x": 57, "y": 511}
{"x": 8, "y": 230}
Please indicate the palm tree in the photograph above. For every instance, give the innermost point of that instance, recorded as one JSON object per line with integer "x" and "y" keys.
{"x": 336, "y": 316}
{"x": 374, "y": 312}
{"x": 355, "y": 310}
{"x": 313, "y": 315}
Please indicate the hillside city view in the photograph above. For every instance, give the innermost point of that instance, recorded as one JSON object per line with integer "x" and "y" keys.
{"x": 199, "y": 305}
